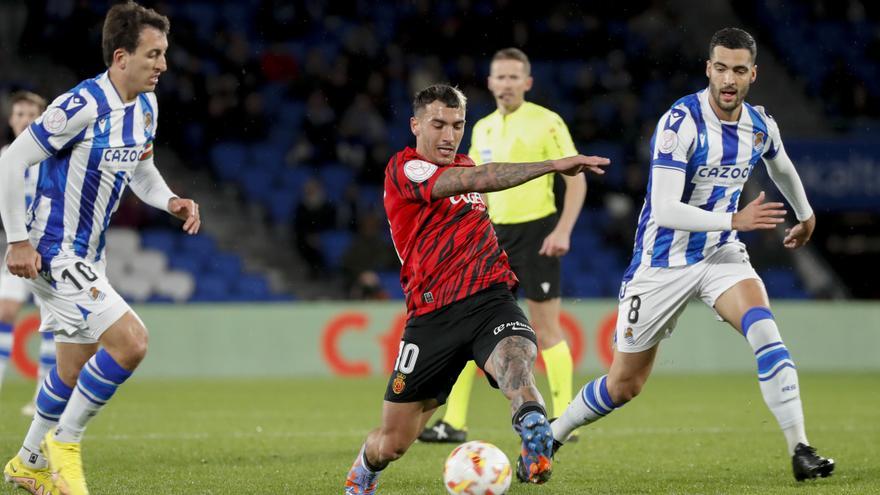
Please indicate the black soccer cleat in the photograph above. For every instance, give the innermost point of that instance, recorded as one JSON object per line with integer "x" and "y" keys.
{"x": 443, "y": 432}
{"x": 807, "y": 464}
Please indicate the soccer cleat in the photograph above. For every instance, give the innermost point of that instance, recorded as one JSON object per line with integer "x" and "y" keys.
{"x": 807, "y": 464}
{"x": 360, "y": 480}
{"x": 443, "y": 432}
{"x": 535, "y": 462}
{"x": 65, "y": 463}
{"x": 35, "y": 481}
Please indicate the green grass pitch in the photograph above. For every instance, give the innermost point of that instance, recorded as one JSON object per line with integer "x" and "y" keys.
{"x": 686, "y": 434}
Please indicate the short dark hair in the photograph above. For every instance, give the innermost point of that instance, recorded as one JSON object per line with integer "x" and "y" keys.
{"x": 451, "y": 96}
{"x": 514, "y": 54}
{"x": 733, "y": 38}
{"x": 27, "y": 97}
{"x": 123, "y": 26}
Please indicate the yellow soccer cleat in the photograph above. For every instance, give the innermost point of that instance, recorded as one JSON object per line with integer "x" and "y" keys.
{"x": 35, "y": 481}
{"x": 65, "y": 463}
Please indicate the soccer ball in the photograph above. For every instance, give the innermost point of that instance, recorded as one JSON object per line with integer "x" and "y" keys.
{"x": 476, "y": 468}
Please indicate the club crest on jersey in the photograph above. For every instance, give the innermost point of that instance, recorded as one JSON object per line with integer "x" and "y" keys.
{"x": 419, "y": 171}
{"x": 148, "y": 121}
{"x": 668, "y": 141}
{"x": 55, "y": 120}
{"x": 399, "y": 383}
{"x": 759, "y": 141}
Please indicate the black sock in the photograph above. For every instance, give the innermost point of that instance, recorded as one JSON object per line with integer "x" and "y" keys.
{"x": 368, "y": 464}
{"x": 527, "y": 408}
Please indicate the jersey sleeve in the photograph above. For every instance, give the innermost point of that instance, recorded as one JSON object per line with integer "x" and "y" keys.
{"x": 64, "y": 123}
{"x": 674, "y": 139}
{"x": 774, "y": 141}
{"x": 413, "y": 179}
{"x": 558, "y": 141}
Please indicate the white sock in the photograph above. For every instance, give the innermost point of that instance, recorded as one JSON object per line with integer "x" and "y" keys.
{"x": 30, "y": 452}
{"x": 777, "y": 375}
{"x": 591, "y": 404}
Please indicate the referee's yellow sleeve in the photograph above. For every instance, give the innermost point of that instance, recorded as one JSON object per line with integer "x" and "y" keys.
{"x": 558, "y": 142}
{"x": 473, "y": 152}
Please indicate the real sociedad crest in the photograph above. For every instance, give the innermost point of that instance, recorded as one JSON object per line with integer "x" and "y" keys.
{"x": 148, "y": 121}
{"x": 759, "y": 141}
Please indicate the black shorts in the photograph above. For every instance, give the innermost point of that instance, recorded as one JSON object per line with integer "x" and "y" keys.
{"x": 539, "y": 276}
{"x": 436, "y": 346}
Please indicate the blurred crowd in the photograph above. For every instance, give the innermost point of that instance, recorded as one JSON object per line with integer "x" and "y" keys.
{"x": 330, "y": 83}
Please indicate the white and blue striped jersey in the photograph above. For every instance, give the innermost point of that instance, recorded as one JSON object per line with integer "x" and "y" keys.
{"x": 95, "y": 141}
{"x": 717, "y": 158}
{"x": 30, "y": 181}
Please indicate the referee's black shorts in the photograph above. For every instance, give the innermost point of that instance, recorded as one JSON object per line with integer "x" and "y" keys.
{"x": 539, "y": 276}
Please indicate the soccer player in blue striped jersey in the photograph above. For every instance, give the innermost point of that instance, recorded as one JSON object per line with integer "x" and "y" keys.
{"x": 704, "y": 149}
{"x": 93, "y": 141}
{"x": 25, "y": 108}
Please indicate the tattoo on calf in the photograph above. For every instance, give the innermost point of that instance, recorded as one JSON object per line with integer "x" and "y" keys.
{"x": 513, "y": 359}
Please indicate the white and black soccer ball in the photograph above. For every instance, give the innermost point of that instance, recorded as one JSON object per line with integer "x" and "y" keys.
{"x": 477, "y": 468}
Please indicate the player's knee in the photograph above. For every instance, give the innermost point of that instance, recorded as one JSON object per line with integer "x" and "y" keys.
{"x": 624, "y": 391}
{"x": 392, "y": 448}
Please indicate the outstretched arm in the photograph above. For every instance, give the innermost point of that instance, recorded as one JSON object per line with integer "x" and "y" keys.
{"x": 499, "y": 176}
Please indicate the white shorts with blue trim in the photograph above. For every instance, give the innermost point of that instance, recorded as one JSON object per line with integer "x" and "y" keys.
{"x": 78, "y": 302}
{"x": 652, "y": 301}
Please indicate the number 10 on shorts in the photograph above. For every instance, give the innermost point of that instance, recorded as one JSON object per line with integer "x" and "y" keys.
{"x": 407, "y": 355}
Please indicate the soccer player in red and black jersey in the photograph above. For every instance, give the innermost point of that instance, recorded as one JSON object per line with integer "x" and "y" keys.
{"x": 458, "y": 289}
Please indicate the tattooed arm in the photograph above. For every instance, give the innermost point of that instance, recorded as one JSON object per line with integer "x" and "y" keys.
{"x": 499, "y": 176}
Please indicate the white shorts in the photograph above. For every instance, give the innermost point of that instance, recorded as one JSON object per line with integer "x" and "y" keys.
{"x": 12, "y": 287}
{"x": 652, "y": 301}
{"x": 78, "y": 303}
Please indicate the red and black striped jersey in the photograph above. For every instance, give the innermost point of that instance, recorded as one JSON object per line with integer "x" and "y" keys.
{"x": 447, "y": 246}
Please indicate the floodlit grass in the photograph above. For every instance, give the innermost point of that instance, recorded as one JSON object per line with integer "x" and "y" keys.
{"x": 686, "y": 434}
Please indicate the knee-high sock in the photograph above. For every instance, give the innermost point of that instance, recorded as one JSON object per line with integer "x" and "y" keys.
{"x": 559, "y": 365}
{"x": 47, "y": 359}
{"x": 591, "y": 404}
{"x": 460, "y": 397}
{"x": 5, "y": 347}
{"x": 51, "y": 402}
{"x": 97, "y": 383}
{"x": 777, "y": 374}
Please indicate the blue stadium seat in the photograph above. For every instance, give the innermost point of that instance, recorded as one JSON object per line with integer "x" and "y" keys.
{"x": 252, "y": 288}
{"x": 293, "y": 178}
{"x": 228, "y": 160}
{"x": 197, "y": 245}
{"x": 256, "y": 183}
{"x": 391, "y": 283}
{"x": 335, "y": 178}
{"x": 334, "y": 243}
{"x": 212, "y": 288}
{"x": 281, "y": 205}
{"x": 268, "y": 156}
{"x": 226, "y": 265}
{"x": 163, "y": 240}
{"x": 186, "y": 263}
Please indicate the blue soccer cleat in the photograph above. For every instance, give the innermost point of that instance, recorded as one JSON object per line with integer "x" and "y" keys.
{"x": 535, "y": 462}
